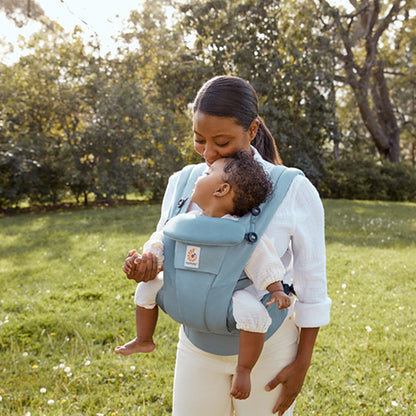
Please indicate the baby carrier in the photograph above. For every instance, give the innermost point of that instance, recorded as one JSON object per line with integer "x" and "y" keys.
{"x": 204, "y": 262}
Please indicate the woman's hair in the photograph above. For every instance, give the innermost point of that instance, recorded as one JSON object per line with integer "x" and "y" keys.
{"x": 227, "y": 96}
{"x": 250, "y": 183}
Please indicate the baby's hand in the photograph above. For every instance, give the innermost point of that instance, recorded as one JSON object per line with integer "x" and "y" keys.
{"x": 281, "y": 298}
{"x": 141, "y": 268}
{"x": 129, "y": 262}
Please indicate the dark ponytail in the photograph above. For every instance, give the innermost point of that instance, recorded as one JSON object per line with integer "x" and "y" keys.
{"x": 228, "y": 96}
{"x": 265, "y": 144}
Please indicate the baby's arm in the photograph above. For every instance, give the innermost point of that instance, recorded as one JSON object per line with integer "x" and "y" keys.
{"x": 266, "y": 271}
{"x": 155, "y": 246}
{"x": 264, "y": 266}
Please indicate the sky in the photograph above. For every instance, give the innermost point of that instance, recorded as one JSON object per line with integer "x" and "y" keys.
{"x": 102, "y": 18}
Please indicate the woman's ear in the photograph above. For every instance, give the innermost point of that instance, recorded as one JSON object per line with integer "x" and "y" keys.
{"x": 253, "y": 128}
{"x": 223, "y": 190}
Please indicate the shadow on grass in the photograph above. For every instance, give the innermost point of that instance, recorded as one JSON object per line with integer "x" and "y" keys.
{"x": 56, "y": 234}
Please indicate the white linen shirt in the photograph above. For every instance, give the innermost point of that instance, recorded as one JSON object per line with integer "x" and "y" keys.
{"x": 296, "y": 231}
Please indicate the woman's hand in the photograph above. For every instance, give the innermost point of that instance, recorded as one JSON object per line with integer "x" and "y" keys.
{"x": 140, "y": 268}
{"x": 292, "y": 377}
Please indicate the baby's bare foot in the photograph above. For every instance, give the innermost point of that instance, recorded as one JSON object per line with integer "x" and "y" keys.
{"x": 136, "y": 345}
{"x": 241, "y": 385}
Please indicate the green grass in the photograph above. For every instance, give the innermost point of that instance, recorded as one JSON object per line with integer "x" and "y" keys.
{"x": 65, "y": 304}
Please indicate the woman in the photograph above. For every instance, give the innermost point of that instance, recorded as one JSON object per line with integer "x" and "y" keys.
{"x": 225, "y": 116}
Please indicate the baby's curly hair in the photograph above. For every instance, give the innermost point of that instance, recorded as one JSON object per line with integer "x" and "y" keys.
{"x": 250, "y": 182}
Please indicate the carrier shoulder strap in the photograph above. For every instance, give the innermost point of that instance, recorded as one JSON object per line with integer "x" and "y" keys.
{"x": 184, "y": 186}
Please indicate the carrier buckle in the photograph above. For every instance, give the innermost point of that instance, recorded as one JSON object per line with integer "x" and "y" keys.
{"x": 181, "y": 202}
{"x": 251, "y": 237}
{"x": 255, "y": 211}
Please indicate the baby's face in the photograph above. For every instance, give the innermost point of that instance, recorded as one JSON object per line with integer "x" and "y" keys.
{"x": 208, "y": 184}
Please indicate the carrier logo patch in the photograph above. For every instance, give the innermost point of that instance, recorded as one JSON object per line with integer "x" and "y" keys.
{"x": 192, "y": 256}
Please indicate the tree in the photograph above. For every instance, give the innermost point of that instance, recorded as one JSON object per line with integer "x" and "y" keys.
{"x": 157, "y": 54}
{"x": 35, "y": 114}
{"x": 272, "y": 45}
{"x": 44, "y": 103}
{"x": 21, "y": 10}
{"x": 116, "y": 141}
{"x": 402, "y": 57}
{"x": 356, "y": 41}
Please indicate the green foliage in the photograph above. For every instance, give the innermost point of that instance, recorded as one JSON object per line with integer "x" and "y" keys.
{"x": 272, "y": 46}
{"x": 364, "y": 178}
{"x": 39, "y": 110}
{"x": 65, "y": 304}
{"x": 87, "y": 125}
{"x": 74, "y": 123}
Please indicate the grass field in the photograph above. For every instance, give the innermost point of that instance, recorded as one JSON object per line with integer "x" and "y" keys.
{"x": 65, "y": 304}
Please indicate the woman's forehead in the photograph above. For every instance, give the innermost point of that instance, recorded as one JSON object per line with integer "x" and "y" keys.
{"x": 213, "y": 125}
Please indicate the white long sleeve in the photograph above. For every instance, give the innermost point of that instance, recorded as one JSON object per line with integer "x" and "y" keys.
{"x": 297, "y": 233}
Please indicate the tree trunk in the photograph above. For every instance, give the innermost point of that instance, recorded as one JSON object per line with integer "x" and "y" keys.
{"x": 385, "y": 114}
{"x": 366, "y": 76}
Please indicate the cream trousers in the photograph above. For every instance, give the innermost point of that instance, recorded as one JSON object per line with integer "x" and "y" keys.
{"x": 203, "y": 381}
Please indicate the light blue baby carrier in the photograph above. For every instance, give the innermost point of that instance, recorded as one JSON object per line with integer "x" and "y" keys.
{"x": 204, "y": 262}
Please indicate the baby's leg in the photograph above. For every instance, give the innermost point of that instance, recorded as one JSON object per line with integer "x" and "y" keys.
{"x": 253, "y": 321}
{"x": 146, "y": 318}
{"x": 250, "y": 347}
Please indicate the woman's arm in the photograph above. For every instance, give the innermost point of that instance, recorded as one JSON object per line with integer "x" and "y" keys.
{"x": 309, "y": 279}
{"x": 292, "y": 377}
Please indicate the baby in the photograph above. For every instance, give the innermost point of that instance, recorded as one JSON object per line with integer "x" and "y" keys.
{"x": 230, "y": 188}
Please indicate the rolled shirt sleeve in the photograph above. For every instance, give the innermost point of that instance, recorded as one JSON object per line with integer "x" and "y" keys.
{"x": 298, "y": 235}
{"x": 312, "y": 306}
